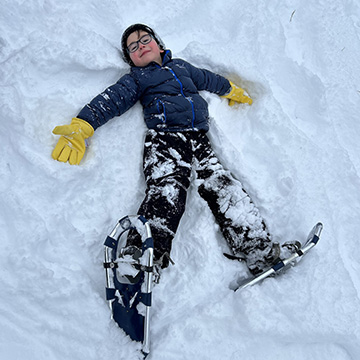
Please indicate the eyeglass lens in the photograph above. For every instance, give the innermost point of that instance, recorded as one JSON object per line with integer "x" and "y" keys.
{"x": 145, "y": 39}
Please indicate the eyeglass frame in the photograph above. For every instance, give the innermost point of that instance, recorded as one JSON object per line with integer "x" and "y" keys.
{"x": 137, "y": 43}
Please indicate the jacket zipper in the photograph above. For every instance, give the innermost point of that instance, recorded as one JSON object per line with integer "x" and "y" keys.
{"x": 182, "y": 93}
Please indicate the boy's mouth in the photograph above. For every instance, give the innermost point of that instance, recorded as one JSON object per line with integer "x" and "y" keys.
{"x": 144, "y": 52}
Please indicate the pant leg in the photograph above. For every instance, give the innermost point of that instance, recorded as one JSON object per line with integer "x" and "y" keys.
{"x": 240, "y": 221}
{"x": 167, "y": 170}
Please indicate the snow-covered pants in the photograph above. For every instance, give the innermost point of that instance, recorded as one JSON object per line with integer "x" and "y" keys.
{"x": 168, "y": 162}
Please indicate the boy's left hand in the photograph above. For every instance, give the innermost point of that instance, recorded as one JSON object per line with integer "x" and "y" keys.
{"x": 237, "y": 94}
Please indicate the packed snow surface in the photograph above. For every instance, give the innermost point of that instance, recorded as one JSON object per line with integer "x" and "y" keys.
{"x": 296, "y": 150}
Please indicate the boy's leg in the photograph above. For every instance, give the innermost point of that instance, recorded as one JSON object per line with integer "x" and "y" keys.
{"x": 240, "y": 221}
{"x": 167, "y": 169}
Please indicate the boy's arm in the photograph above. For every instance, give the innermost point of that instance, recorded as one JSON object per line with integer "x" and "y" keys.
{"x": 207, "y": 80}
{"x": 114, "y": 101}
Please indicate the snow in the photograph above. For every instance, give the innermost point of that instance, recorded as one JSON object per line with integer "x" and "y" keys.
{"x": 296, "y": 150}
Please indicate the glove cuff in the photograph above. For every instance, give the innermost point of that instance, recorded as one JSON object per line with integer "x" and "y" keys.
{"x": 84, "y": 126}
{"x": 231, "y": 91}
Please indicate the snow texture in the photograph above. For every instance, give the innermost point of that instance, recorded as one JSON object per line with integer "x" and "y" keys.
{"x": 296, "y": 150}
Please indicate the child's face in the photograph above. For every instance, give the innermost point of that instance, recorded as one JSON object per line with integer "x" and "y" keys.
{"x": 145, "y": 54}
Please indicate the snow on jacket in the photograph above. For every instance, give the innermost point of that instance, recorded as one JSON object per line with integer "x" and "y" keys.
{"x": 169, "y": 95}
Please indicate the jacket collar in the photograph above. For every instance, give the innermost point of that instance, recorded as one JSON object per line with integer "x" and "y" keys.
{"x": 166, "y": 58}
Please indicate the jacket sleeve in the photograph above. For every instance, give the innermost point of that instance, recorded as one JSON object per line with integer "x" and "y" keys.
{"x": 113, "y": 101}
{"x": 207, "y": 80}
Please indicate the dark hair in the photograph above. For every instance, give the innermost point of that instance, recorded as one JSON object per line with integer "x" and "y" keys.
{"x": 130, "y": 30}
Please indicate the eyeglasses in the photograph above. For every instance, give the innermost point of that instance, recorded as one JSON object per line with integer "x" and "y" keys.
{"x": 145, "y": 39}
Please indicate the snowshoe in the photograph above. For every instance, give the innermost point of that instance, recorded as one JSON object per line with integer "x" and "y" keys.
{"x": 129, "y": 272}
{"x": 281, "y": 265}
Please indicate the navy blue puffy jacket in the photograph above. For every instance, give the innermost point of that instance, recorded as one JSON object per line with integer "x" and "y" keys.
{"x": 169, "y": 95}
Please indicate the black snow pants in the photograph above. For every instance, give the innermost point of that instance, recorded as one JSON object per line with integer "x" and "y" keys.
{"x": 168, "y": 162}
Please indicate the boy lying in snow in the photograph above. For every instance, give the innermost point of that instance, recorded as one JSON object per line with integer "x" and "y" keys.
{"x": 176, "y": 142}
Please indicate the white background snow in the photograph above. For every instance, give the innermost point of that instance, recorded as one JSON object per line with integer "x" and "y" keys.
{"x": 296, "y": 149}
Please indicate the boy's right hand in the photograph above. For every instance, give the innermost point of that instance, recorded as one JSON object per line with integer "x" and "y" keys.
{"x": 71, "y": 145}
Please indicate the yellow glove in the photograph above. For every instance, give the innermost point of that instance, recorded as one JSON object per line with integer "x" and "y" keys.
{"x": 236, "y": 94}
{"x": 71, "y": 146}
